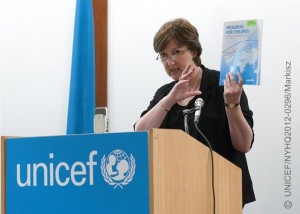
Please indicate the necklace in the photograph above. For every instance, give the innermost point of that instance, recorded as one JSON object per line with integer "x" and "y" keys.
{"x": 196, "y": 82}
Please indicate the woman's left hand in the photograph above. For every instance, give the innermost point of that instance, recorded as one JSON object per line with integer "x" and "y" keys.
{"x": 232, "y": 89}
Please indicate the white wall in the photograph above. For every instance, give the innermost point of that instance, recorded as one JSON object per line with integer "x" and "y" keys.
{"x": 36, "y": 43}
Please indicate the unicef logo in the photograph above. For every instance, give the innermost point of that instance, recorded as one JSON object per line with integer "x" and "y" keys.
{"x": 117, "y": 168}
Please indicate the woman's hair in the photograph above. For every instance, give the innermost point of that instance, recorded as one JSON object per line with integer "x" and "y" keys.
{"x": 183, "y": 33}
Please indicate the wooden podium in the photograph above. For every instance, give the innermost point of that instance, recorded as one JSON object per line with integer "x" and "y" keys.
{"x": 181, "y": 178}
{"x": 179, "y": 174}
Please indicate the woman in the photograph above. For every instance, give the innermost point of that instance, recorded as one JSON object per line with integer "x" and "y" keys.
{"x": 226, "y": 119}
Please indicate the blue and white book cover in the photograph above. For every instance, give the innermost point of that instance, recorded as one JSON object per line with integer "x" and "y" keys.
{"x": 241, "y": 51}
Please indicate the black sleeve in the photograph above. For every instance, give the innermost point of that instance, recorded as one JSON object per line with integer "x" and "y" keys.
{"x": 159, "y": 94}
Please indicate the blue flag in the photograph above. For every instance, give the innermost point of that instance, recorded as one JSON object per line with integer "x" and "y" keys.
{"x": 82, "y": 85}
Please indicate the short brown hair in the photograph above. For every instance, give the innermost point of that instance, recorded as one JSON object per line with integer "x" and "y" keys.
{"x": 183, "y": 33}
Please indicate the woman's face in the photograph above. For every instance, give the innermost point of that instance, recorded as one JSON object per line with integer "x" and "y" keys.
{"x": 175, "y": 59}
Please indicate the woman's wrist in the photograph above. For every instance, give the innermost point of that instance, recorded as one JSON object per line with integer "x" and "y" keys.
{"x": 164, "y": 104}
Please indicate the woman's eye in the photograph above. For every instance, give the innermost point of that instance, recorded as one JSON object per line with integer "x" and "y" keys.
{"x": 177, "y": 52}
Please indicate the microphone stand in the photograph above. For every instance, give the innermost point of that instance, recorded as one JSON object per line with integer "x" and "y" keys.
{"x": 186, "y": 113}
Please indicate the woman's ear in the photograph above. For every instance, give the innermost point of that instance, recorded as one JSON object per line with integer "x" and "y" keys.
{"x": 194, "y": 53}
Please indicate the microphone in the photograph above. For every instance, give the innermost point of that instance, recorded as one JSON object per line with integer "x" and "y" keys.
{"x": 198, "y": 105}
{"x": 186, "y": 113}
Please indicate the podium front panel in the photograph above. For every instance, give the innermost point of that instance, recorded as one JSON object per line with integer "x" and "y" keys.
{"x": 93, "y": 173}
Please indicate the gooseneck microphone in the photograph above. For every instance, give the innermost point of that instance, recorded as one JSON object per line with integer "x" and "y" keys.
{"x": 198, "y": 105}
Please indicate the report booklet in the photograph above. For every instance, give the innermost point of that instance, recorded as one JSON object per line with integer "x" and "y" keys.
{"x": 241, "y": 50}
